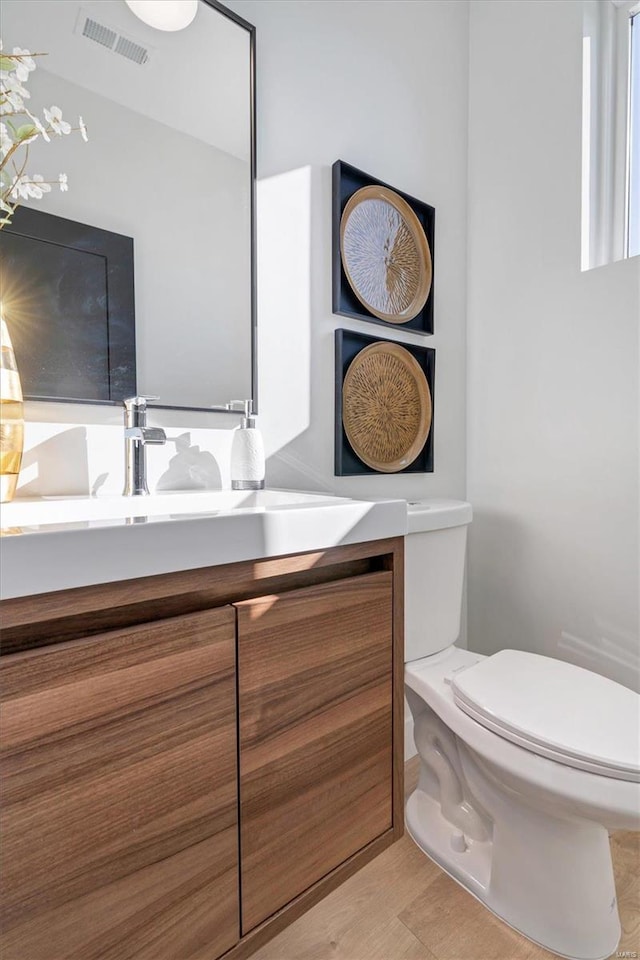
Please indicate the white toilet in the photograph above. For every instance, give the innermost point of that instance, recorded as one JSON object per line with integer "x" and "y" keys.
{"x": 526, "y": 762}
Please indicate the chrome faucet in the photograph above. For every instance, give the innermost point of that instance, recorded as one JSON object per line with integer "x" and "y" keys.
{"x": 136, "y": 437}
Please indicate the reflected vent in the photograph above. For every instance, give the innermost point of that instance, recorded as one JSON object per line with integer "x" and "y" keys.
{"x": 101, "y": 34}
{"x": 112, "y": 39}
{"x": 132, "y": 51}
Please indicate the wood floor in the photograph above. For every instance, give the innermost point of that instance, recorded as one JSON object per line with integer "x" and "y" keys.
{"x": 403, "y": 907}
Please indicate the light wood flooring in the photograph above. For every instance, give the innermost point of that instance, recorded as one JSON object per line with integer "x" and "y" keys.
{"x": 401, "y": 906}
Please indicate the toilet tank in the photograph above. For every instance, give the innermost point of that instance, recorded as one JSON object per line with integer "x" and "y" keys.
{"x": 434, "y": 574}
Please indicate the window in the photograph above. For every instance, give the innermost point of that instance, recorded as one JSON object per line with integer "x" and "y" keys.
{"x": 633, "y": 188}
{"x": 610, "y": 131}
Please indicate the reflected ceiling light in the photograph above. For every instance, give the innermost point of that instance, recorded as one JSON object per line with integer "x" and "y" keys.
{"x": 164, "y": 14}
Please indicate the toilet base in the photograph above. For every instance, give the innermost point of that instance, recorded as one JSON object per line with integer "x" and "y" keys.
{"x": 550, "y": 880}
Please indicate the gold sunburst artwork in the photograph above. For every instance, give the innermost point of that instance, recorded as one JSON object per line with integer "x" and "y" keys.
{"x": 385, "y": 254}
{"x": 386, "y": 407}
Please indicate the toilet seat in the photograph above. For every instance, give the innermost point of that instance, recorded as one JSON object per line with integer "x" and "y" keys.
{"x": 554, "y": 709}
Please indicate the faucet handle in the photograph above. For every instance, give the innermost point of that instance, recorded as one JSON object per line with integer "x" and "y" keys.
{"x": 154, "y": 435}
{"x": 145, "y": 435}
{"x": 240, "y": 406}
{"x": 138, "y": 402}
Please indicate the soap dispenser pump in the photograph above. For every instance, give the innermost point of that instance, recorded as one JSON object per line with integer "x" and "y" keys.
{"x": 247, "y": 451}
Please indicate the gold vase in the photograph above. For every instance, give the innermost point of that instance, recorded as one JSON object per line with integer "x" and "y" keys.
{"x": 11, "y": 417}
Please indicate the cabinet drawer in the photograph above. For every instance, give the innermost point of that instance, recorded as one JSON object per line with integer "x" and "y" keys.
{"x": 119, "y": 803}
{"x": 315, "y": 691}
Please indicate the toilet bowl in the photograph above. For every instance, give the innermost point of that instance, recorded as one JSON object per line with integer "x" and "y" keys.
{"x": 526, "y": 762}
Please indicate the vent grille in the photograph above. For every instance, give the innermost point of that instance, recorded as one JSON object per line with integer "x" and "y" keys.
{"x": 98, "y": 32}
{"x": 111, "y": 39}
{"x": 132, "y": 51}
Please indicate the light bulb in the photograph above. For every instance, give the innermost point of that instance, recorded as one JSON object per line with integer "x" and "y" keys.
{"x": 164, "y": 14}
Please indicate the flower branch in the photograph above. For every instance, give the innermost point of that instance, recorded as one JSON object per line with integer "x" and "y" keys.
{"x": 15, "y": 136}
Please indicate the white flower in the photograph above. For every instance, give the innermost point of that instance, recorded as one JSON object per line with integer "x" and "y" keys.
{"x": 39, "y": 127}
{"x": 25, "y": 64}
{"x": 11, "y": 84}
{"x": 37, "y": 187}
{"x": 6, "y": 143}
{"x": 16, "y": 134}
{"x": 20, "y": 189}
{"x": 16, "y": 103}
{"x": 26, "y": 186}
{"x": 55, "y": 121}
{"x": 13, "y": 93}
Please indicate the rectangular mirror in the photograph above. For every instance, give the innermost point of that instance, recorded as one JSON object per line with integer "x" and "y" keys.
{"x": 135, "y": 272}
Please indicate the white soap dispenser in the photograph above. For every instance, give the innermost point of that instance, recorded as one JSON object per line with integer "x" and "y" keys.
{"x": 247, "y": 452}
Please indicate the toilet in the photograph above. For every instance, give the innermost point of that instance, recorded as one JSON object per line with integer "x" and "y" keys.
{"x": 526, "y": 762}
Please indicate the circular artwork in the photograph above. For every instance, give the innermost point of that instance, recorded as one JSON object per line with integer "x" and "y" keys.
{"x": 386, "y": 407}
{"x": 385, "y": 254}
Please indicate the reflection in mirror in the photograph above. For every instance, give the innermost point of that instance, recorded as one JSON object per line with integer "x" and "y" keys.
{"x": 169, "y": 163}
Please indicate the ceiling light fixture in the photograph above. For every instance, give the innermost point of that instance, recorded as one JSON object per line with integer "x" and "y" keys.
{"x": 164, "y": 14}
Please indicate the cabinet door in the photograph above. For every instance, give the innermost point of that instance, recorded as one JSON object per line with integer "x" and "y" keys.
{"x": 119, "y": 801}
{"x": 314, "y": 675}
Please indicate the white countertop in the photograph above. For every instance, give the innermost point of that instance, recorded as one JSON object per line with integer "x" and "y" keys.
{"x": 53, "y": 543}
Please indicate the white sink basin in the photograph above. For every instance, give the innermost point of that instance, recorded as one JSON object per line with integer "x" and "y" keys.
{"x": 37, "y": 511}
{"x": 58, "y": 543}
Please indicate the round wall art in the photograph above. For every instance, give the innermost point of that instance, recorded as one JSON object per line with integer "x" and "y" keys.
{"x": 386, "y": 407}
{"x": 385, "y": 254}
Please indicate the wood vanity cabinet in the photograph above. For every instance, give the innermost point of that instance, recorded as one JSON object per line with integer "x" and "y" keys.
{"x": 119, "y": 801}
{"x": 191, "y": 760}
{"x": 314, "y": 692}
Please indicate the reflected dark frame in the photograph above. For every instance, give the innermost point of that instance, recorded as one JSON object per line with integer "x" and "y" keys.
{"x": 44, "y": 232}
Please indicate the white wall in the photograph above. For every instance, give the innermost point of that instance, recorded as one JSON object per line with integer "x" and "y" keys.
{"x": 382, "y": 86}
{"x": 553, "y": 361}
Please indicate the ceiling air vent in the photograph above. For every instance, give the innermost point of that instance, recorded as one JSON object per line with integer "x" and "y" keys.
{"x": 98, "y": 32}
{"x": 131, "y": 50}
{"x": 112, "y": 39}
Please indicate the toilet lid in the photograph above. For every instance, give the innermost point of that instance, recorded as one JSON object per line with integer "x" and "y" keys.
{"x": 555, "y": 709}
